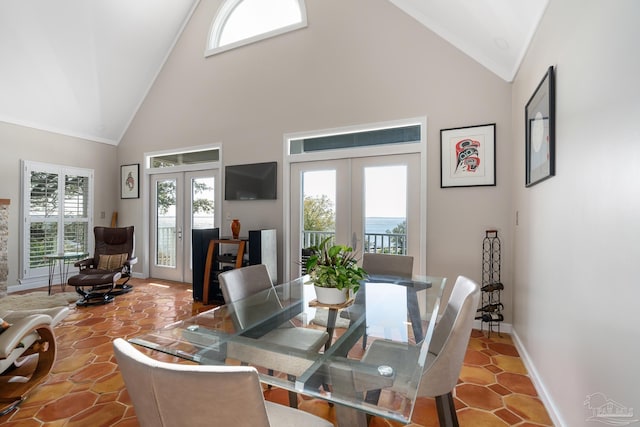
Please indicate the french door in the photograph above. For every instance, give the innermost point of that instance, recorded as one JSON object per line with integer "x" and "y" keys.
{"x": 370, "y": 203}
{"x": 180, "y": 202}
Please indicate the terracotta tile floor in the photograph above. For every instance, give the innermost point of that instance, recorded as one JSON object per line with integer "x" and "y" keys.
{"x": 86, "y": 389}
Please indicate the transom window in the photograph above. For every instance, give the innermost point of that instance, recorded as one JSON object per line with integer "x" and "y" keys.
{"x": 240, "y": 22}
{"x": 399, "y": 134}
{"x": 195, "y": 157}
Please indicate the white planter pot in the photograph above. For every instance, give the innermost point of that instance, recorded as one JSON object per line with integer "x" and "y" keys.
{"x": 331, "y": 295}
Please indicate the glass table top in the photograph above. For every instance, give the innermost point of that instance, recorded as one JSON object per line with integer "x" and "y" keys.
{"x": 396, "y": 310}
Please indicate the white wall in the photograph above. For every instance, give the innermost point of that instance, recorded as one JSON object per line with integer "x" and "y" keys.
{"x": 22, "y": 143}
{"x": 357, "y": 62}
{"x": 578, "y": 243}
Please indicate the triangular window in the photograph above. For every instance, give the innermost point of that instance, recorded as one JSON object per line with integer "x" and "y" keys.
{"x": 240, "y": 22}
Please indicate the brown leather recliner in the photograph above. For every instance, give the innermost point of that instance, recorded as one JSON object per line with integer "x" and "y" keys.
{"x": 99, "y": 277}
{"x": 110, "y": 242}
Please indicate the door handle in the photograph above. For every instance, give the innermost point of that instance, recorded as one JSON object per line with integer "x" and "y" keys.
{"x": 180, "y": 233}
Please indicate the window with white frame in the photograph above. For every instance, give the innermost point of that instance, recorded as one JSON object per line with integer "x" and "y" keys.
{"x": 57, "y": 209}
{"x": 240, "y": 22}
{"x": 410, "y": 133}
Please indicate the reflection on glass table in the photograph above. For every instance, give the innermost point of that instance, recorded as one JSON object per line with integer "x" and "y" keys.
{"x": 393, "y": 311}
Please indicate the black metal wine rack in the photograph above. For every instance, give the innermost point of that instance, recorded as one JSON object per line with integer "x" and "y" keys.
{"x": 490, "y": 313}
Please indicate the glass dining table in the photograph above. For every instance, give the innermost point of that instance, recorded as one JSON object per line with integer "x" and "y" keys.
{"x": 386, "y": 308}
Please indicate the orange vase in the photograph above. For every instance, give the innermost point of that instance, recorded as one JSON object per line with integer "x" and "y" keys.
{"x": 235, "y": 229}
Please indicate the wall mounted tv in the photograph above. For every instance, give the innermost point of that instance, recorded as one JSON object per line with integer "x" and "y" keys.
{"x": 256, "y": 181}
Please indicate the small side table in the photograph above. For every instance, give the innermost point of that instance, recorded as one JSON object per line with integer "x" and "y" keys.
{"x": 331, "y": 318}
{"x": 63, "y": 260}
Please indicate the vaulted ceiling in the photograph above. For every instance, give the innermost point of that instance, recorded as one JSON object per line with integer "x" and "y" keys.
{"x": 82, "y": 68}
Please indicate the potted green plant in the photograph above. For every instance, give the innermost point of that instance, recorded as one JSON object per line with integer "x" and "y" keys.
{"x": 334, "y": 271}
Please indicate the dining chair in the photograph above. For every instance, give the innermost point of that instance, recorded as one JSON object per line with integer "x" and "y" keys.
{"x": 378, "y": 264}
{"x": 243, "y": 282}
{"x": 388, "y": 264}
{"x": 174, "y": 395}
{"x": 442, "y": 356}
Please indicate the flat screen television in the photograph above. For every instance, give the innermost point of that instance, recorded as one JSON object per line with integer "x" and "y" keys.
{"x": 256, "y": 181}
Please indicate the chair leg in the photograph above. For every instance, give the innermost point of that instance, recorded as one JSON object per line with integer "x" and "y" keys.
{"x": 364, "y": 336}
{"x": 446, "y": 410}
{"x": 122, "y": 288}
{"x": 270, "y": 373}
{"x": 293, "y": 396}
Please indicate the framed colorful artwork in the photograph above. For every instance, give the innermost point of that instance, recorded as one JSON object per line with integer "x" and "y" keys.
{"x": 468, "y": 156}
{"x": 540, "y": 132}
{"x": 129, "y": 181}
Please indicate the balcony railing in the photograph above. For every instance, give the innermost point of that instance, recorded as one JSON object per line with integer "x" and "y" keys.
{"x": 166, "y": 247}
{"x": 388, "y": 243}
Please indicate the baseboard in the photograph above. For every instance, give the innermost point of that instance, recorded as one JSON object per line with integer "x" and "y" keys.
{"x": 537, "y": 381}
{"x": 482, "y": 326}
{"x": 32, "y": 283}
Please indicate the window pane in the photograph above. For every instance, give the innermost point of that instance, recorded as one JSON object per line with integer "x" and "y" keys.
{"x": 386, "y": 209}
{"x": 253, "y": 17}
{"x": 43, "y": 239}
{"x": 186, "y": 158}
{"x": 166, "y": 223}
{"x": 399, "y": 135}
{"x": 76, "y": 198}
{"x": 44, "y": 194}
{"x": 202, "y": 208}
{"x": 319, "y": 213}
{"x": 76, "y": 237}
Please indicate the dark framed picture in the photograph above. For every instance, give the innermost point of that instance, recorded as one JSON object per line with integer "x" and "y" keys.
{"x": 468, "y": 156}
{"x": 540, "y": 141}
{"x": 130, "y": 181}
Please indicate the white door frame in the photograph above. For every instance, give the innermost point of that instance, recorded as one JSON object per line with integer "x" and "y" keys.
{"x": 181, "y": 272}
{"x": 350, "y": 210}
{"x": 145, "y": 195}
{"x": 382, "y": 150}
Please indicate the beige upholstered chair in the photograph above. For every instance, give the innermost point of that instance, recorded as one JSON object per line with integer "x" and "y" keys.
{"x": 27, "y": 352}
{"x": 175, "y": 395}
{"x": 383, "y": 265}
{"x": 242, "y": 282}
{"x": 388, "y": 264}
{"x": 445, "y": 353}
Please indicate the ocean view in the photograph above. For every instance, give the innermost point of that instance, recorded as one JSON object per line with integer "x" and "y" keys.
{"x": 375, "y": 225}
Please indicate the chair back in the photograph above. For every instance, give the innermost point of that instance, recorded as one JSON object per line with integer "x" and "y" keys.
{"x": 388, "y": 264}
{"x": 114, "y": 240}
{"x": 450, "y": 339}
{"x": 242, "y": 282}
{"x": 169, "y": 394}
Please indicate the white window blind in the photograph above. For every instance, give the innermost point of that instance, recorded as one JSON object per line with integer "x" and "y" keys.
{"x": 57, "y": 210}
